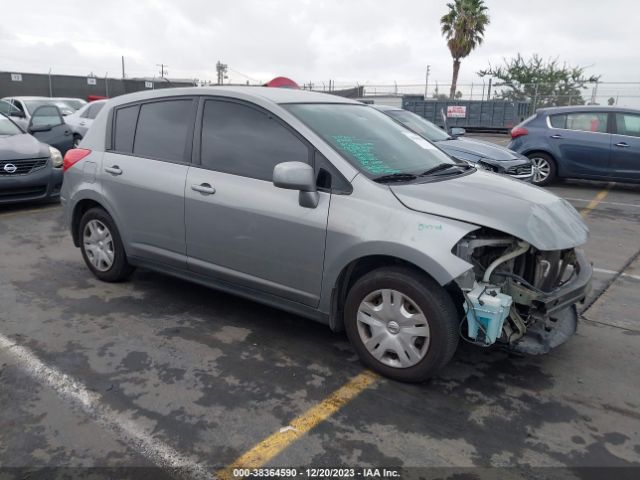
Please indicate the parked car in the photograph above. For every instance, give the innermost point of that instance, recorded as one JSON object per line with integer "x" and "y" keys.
{"x": 81, "y": 120}
{"x": 590, "y": 142}
{"x": 29, "y": 169}
{"x": 327, "y": 208}
{"x": 74, "y": 103}
{"x": 25, "y": 106}
{"x": 485, "y": 155}
{"x": 8, "y": 109}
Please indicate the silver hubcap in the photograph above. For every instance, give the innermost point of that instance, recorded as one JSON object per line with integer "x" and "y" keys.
{"x": 393, "y": 328}
{"x": 541, "y": 169}
{"x": 98, "y": 245}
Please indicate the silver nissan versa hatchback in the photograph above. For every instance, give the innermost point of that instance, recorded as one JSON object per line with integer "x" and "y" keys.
{"x": 330, "y": 209}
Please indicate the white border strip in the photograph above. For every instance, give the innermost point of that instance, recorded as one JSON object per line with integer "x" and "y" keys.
{"x": 613, "y": 272}
{"x": 124, "y": 428}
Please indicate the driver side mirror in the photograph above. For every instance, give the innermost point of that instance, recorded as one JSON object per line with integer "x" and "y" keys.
{"x": 44, "y": 118}
{"x": 298, "y": 176}
{"x": 16, "y": 113}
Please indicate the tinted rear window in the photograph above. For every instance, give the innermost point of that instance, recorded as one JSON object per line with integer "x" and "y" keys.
{"x": 558, "y": 121}
{"x": 94, "y": 110}
{"x": 125, "y": 128}
{"x": 162, "y": 129}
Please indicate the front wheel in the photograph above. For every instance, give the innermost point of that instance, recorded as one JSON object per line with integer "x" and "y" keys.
{"x": 401, "y": 323}
{"x": 544, "y": 169}
{"x": 102, "y": 247}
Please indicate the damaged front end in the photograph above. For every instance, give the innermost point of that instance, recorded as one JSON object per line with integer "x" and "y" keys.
{"x": 518, "y": 296}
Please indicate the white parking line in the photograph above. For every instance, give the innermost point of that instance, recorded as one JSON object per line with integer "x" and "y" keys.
{"x": 123, "y": 427}
{"x": 613, "y": 272}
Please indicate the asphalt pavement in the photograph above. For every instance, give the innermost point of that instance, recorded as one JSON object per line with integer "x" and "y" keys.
{"x": 165, "y": 375}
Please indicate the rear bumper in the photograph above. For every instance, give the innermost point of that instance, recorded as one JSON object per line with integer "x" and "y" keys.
{"x": 44, "y": 184}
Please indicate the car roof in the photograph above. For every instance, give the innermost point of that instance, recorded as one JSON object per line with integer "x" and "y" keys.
{"x": 271, "y": 94}
{"x": 384, "y": 108}
{"x": 33, "y": 98}
{"x": 585, "y": 108}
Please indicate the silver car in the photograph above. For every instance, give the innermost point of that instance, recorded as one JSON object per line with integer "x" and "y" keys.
{"x": 80, "y": 121}
{"x": 330, "y": 209}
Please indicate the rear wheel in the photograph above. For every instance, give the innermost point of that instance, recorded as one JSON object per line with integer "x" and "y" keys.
{"x": 544, "y": 169}
{"x": 102, "y": 248}
{"x": 401, "y": 323}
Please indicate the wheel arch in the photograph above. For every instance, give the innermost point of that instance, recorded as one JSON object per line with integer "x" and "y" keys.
{"x": 79, "y": 209}
{"x": 359, "y": 267}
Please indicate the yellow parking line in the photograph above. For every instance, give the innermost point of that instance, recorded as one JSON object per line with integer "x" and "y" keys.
{"x": 271, "y": 446}
{"x": 22, "y": 212}
{"x": 596, "y": 200}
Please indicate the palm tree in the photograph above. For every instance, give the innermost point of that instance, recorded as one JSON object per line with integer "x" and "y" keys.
{"x": 463, "y": 27}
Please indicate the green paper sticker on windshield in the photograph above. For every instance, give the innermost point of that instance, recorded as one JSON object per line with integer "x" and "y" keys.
{"x": 363, "y": 153}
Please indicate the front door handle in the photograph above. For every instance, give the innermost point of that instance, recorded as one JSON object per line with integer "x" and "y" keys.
{"x": 622, "y": 144}
{"x": 556, "y": 136}
{"x": 204, "y": 188}
{"x": 115, "y": 170}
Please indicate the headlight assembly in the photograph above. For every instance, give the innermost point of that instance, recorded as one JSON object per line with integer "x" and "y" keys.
{"x": 56, "y": 157}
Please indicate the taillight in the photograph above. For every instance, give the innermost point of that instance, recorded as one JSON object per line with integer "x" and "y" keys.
{"x": 73, "y": 156}
{"x": 518, "y": 132}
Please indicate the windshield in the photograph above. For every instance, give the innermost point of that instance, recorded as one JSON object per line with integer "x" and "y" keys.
{"x": 370, "y": 140}
{"x": 7, "y": 127}
{"x": 74, "y": 103}
{"x": 33, "y": 104}
{"x": 419, "y": 125}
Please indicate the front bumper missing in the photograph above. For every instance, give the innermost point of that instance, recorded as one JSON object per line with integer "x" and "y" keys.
{"x": 560, "y": 315}
{"x": 541, "y": 337}
{"x": 572, "y": 292}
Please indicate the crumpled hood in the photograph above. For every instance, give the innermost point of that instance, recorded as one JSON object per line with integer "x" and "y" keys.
{"x": 23, "y": 146}
{"x": 477, "y": 147}
{"x": 527, "y": 212}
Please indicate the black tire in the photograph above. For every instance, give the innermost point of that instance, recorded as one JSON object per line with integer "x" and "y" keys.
{"x": 436, "y": 305}
{"x": 540, "y": 157}
{"x": 120, "y": 268}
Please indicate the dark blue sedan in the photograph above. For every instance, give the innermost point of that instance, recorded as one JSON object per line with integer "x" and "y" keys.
{"x": 484, "y": 155}
{"x": 589, "y": 142}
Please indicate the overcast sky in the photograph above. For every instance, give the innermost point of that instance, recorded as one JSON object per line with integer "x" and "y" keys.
{"x": 349, "y": 41}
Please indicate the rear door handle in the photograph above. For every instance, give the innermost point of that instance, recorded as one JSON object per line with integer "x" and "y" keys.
{"x": 204, "y": 188}
{"x": 556, "y": 136}
{"x": 622, "y": 144}
{"x": 115, "y": 170}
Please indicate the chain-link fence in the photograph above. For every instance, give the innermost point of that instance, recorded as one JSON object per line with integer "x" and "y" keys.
{"x": 623, "y": 94}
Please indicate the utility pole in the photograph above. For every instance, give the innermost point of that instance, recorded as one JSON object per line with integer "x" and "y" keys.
{"x": 221, "y": 69}
{"x": 123, "y": 67}
{"x": 489, "y": 90}
{"x": 594, "y": 94}
{"x": 426, "y": 82}
{"x": 163, "y": 68}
